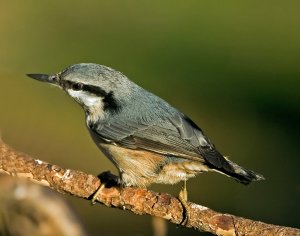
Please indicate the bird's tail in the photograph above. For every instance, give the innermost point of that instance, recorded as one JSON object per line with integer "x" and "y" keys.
{"x": 219, "y": 163}
{"x": 243, "y": 175}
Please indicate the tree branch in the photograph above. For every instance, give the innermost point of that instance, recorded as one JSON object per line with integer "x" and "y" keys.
{"x": 137, "y": 200}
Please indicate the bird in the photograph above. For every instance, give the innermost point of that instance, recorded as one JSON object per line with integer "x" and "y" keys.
{"x": 147, "y": 139}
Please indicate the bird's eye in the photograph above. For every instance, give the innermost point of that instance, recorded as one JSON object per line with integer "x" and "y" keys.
{"x": 54, "y": 78}
{"x": 77, "y": 86}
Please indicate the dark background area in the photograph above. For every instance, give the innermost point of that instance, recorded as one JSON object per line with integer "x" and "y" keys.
{"x": 233, "y": 67}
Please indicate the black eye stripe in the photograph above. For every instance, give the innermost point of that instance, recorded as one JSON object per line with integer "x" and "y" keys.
{"x": 94, "y": 90}
{"x": 110, "y": 103}
{"x": 76, "y": 86}
{"x": 67, "y": 84}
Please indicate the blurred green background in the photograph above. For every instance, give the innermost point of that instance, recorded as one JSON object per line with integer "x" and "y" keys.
{"x": 232, "y": 66}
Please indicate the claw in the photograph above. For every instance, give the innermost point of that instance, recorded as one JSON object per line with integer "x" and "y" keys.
{"x": 107, "y": 180}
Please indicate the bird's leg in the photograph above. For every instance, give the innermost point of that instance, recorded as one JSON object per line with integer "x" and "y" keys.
{"x": 107, "y": 180}
{"x": 183, "y": 199}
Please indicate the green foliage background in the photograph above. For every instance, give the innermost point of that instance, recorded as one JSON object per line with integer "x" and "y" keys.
{"x": 232, "y": 66}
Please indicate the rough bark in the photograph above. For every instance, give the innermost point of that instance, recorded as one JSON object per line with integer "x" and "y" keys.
{"x": 137, "y": 200}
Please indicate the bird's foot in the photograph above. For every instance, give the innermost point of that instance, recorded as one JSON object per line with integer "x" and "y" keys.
{"x": 183, "y": 200}
{"x": 107, "y": 180}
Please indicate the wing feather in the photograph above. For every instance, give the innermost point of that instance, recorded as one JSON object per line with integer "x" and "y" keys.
{"x": 170, "y": 135}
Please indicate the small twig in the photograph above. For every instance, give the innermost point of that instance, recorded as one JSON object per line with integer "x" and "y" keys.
{"x": 137, "y": 200}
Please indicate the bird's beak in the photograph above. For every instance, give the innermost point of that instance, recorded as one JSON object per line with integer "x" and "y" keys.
{"x": 53, "y": 79}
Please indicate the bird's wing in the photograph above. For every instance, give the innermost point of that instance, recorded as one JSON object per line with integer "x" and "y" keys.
{"x": 174, "y": 135}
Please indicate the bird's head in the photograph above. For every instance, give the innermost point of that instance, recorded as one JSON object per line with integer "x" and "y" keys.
{"x": 98, "y": 89}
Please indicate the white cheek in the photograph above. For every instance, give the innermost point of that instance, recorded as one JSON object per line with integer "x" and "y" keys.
{"x": 74, "y": 94}
{"x": 85, "y": 99}
{"x": 91, "y": 101}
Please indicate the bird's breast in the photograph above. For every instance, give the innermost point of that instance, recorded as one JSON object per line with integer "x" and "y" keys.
{"x": 136, "y": 167}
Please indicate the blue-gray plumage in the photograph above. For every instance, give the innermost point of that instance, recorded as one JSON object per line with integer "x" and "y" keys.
{"x": 147, "y": 139}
